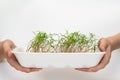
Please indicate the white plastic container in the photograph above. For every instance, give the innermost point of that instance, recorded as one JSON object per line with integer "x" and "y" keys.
{"x": 57, "y": 60}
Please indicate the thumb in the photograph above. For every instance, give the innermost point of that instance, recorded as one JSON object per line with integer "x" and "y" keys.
{"x": 9, "y": 53}
{"x": 103, "y": 46}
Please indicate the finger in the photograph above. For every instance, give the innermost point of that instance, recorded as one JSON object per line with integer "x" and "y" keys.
{"x": 17, "y": 66}
{"x": 13, "y": 62}
{"x": 9, "y": 54}
{"x": 35, "y": 69}
{"x": 83, "y": 69}
{"x": 105, "y": 60}
{"x": 103, "y": 45}
{"x": 9, "y": 43}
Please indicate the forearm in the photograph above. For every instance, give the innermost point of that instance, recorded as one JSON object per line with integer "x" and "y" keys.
{"x": 114, "y": 41}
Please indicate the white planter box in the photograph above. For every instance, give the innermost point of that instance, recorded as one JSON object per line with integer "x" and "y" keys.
{"x": 57, "y": 60}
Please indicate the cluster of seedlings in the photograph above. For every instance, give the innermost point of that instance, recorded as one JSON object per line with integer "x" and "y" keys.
{"x": 74, "y": 42}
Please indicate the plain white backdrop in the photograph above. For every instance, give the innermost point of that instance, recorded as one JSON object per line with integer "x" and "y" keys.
{"x": 20, "y": 18}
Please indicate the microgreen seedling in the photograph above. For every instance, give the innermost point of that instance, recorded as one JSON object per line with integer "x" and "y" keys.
{"x": 73, "y": 42}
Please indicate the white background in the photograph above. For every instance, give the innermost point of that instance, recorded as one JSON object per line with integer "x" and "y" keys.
{"x": 19, "y": 18}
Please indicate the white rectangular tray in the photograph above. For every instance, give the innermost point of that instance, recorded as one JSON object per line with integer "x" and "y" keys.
{"x": 57, "y": 60}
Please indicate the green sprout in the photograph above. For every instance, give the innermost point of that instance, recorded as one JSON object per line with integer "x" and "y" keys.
{"x": 74, "y": 42}
{"x": 37, "y": 43}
